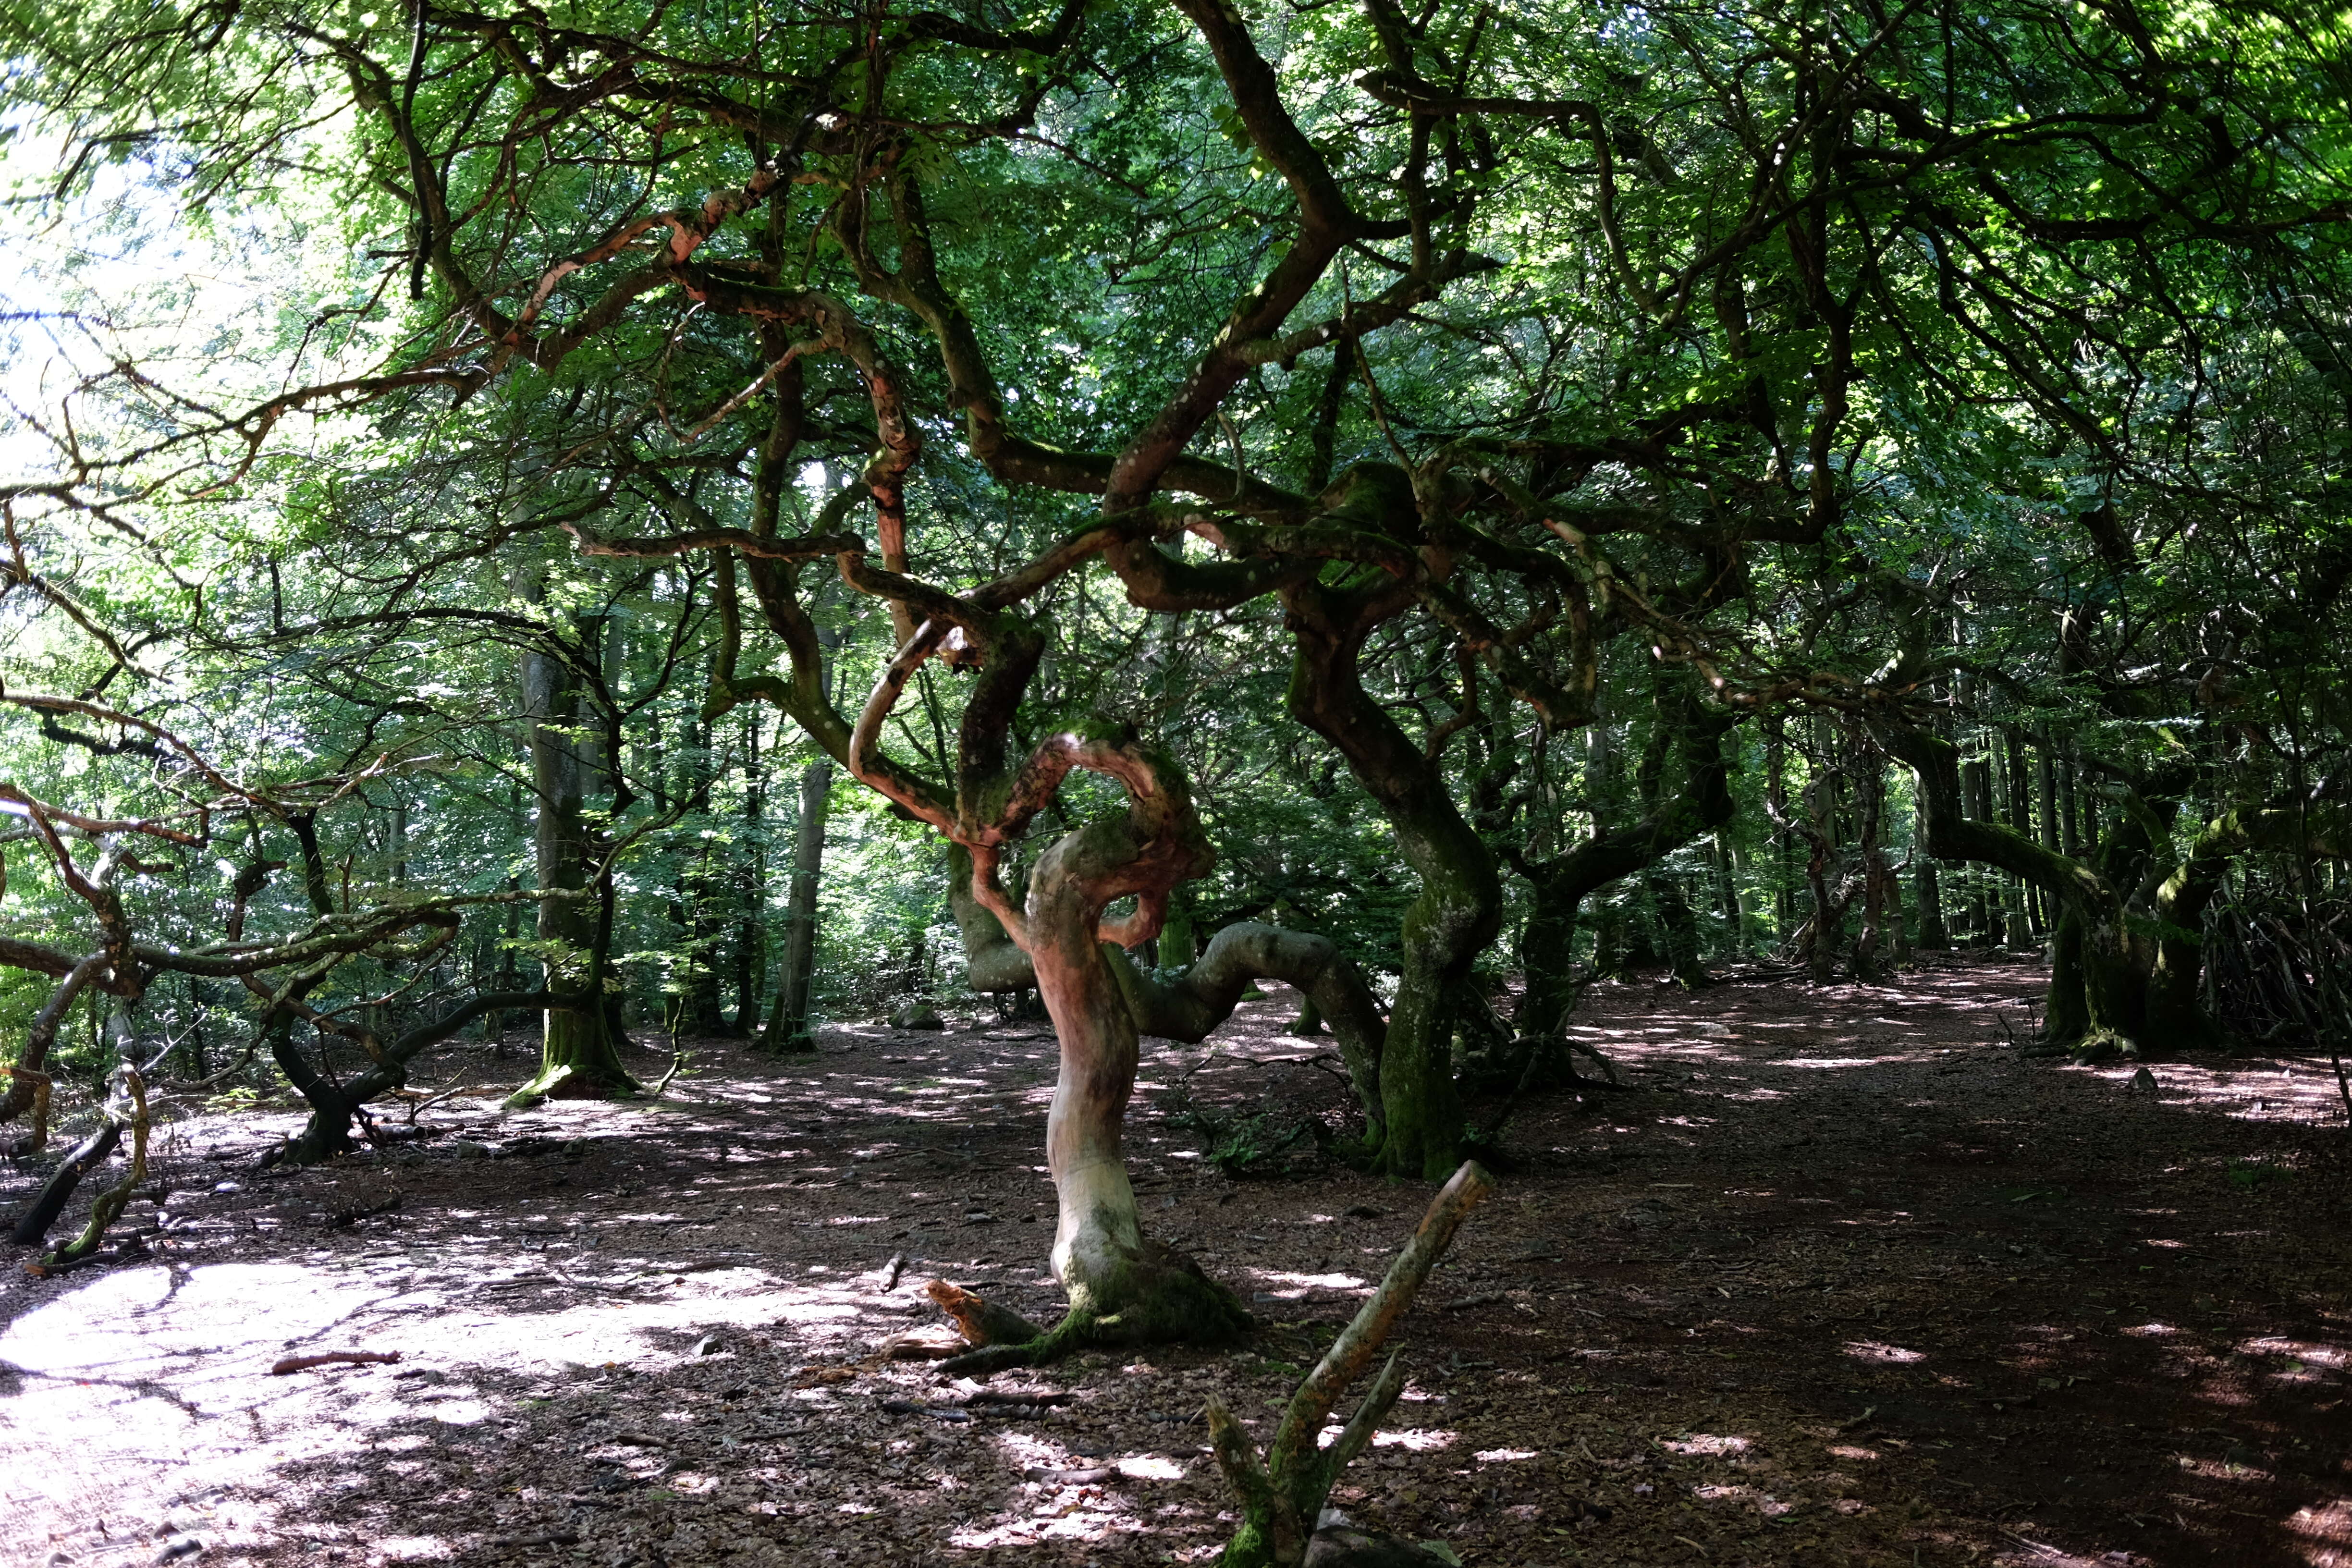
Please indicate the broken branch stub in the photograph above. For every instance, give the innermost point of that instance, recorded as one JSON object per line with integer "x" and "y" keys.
{"x": 982, "y": 1323}
{"x": 1282, "y": 1494}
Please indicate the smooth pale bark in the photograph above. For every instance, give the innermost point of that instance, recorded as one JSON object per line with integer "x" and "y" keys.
{"x": 1121, "y": 1287}
{"x": 788, "y": 1023}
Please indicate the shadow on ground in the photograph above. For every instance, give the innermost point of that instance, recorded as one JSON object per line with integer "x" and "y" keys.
{"x": 1838, "y": 1281}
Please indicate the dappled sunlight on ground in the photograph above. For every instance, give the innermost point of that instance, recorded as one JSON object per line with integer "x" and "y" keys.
{"x": 1837, "y": 1280}
{"x": 2287, "y": 1089}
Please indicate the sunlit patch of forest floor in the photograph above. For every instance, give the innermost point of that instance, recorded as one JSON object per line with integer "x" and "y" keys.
{"x": 1841, "y": 1278}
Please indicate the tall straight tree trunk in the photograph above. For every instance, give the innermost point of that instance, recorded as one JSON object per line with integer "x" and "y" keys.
{"x": 1180, "y": 940}
{"x": 578, "y": 1054}
{"x": 788, "y": 1021}
{"x": 1926, "y": 888}
{"x": 1728, "y": 896}
{"x": 698, "y": 897}
{"x": 2072, "y": 844}
{"x": 1776, "y": 802}
{"x": 1868, "y": 810}
{"x": 2045, "y": 780}
{"x": 2016, "y": 933}
{"x": 1601, "y": 792}
{"x": 1975, "y": 800}
{"x": 750, "y": 930}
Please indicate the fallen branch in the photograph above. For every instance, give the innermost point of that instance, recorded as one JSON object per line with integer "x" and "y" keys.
{"x": 1282, "y": 1494}
{"x": 293, "y": 1363}
{"x": 33, "y": 1226}
{"x": 129, "y": 1249}
{"x": 1014, "y": 1401}
{"x": 115, "y": 1199}
{"x": 347, "y": 1216}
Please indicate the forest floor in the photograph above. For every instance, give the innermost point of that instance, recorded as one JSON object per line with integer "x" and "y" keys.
{"x": 1841, "y": 1279}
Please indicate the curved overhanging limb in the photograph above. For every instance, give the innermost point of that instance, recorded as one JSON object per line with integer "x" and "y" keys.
{"x": 1192, "y": 1007}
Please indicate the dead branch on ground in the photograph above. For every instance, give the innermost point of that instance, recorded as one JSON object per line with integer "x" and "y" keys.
{"x": 294, "y": 1363}
{"x": 1282, "y": 1491}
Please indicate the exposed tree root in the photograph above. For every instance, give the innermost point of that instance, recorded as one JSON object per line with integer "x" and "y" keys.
{"x": 1162, "y": 1299}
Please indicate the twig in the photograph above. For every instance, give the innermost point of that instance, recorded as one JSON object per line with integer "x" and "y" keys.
{"x": 417, "y": 1106}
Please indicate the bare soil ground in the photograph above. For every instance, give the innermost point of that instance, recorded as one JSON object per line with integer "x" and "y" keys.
{"x": 1841, "y": 1280}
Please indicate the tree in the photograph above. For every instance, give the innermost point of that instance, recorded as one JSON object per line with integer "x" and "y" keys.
{"x": 1700, "y": 339}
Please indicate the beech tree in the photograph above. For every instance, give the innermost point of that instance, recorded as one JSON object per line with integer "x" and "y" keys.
{"x": 1485, "y": 371}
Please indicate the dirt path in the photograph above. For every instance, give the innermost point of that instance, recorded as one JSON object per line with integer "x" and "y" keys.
{"x": 1840, "y": 1280}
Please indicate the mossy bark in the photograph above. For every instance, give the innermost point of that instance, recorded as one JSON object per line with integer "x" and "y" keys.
{"x": 1458, "y": 910}
{"x": 788, "y": 1020}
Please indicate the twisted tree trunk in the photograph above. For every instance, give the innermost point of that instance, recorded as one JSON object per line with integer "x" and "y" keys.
{"x": 1121, "y": 1287}
{"x": 1460, "y": 905}
{"x": 1190, "y": 1006}
{"x": 2096, "y": 991}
